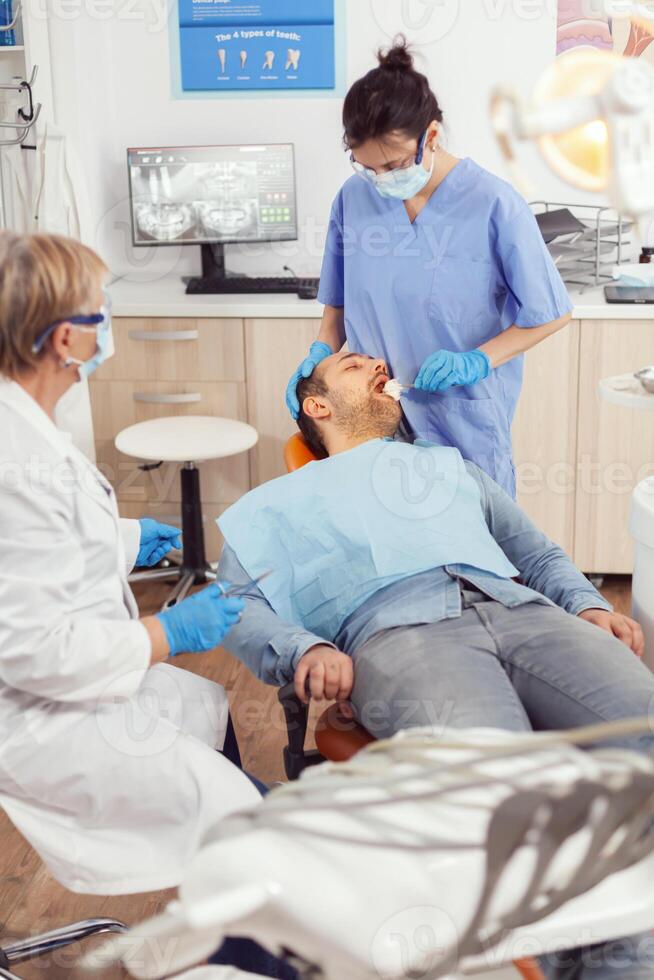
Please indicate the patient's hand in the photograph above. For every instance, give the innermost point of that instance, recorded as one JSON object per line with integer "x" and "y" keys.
{"x": 330, "y": 674}
{"x": 626, "y": 629}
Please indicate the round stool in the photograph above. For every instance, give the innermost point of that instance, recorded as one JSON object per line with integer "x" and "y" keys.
{"x": 186, "y": 439}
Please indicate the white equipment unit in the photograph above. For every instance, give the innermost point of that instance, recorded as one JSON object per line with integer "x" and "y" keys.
{"x": 429, "y": 854}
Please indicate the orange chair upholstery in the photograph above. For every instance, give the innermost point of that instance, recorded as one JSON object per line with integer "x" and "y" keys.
{"x": 297, "y": 453}
{"x": 339, "y": 738}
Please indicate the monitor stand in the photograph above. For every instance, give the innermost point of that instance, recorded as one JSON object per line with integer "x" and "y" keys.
{"x": 213, "y": 264}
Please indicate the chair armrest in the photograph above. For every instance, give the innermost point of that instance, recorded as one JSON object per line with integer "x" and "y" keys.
{"x": 296, "y": 714}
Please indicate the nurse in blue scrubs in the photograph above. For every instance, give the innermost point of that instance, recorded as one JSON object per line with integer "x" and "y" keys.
{"x": 436, "y": 265}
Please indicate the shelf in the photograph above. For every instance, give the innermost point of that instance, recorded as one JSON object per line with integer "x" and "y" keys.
{"x": 11, "y": 48}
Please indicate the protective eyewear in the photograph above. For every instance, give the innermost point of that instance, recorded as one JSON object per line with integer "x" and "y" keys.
{"x": 86, "y": 322}
{"x": 371, "y": 176}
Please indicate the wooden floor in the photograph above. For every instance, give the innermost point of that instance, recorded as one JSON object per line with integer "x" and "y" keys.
{"x": 32, "y": 902}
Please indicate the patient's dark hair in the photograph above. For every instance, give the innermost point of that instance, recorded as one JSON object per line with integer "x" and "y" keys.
{"x": 308, "y": 426}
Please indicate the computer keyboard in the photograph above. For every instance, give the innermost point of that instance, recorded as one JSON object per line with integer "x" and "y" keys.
{"x": 307, "y": 288}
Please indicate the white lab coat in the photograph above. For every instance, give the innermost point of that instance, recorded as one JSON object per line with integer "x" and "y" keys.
{"x": 46, "y": 191}
{"x": 107, "y": 766}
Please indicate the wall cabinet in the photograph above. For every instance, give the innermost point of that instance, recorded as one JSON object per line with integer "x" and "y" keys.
{"x": 577, "y": 457}
{"x": 272, "y": 352}
{"x": 615, "y": 445}
{"x": 545, "y": 435}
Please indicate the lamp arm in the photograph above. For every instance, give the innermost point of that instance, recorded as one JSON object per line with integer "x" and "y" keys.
{"x": 559, "y": 116}
{"x": 511, "y": 118}
{"x": 505, "y": 109}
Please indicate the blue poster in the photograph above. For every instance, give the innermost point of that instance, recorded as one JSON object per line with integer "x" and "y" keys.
{"x": 262, "y": 44}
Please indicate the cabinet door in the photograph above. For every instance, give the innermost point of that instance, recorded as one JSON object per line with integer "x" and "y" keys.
{"x": 273, "y": 349}
{"x": 544, "y": 435}
{"x": 168, "y": 349}
{"x": 615, "y": 448}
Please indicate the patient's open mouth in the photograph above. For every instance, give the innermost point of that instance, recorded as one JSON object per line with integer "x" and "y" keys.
{"x": 378, "y": 385}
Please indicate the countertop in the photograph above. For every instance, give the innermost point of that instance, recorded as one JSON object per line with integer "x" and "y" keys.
{"x": 165, "y": 297}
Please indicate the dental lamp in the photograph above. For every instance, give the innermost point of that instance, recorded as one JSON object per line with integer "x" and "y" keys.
{"x": 592, "y": 115}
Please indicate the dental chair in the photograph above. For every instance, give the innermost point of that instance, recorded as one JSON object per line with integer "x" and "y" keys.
{"x": 337, "y": 738}
{"x": 428, "y": 855}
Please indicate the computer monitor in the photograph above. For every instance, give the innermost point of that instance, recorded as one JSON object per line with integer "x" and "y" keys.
{"x": 212, "y": 196}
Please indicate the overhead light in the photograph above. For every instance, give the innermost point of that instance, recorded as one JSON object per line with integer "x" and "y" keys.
{"x": 592, "y": 116}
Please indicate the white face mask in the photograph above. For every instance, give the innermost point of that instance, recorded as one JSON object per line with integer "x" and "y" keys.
{"x": 402, "y": 183}
{"x": 104, "y": 350}
{"x": 97, "y": 323}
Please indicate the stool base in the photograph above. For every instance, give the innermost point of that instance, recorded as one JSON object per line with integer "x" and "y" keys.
{"x": 194, "y": 568}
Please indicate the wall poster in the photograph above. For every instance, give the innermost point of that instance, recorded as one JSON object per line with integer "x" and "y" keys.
{"x": 245, "y": 45}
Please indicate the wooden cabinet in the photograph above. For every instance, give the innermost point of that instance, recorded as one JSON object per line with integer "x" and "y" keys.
{"x": 577, "y": 457}
{"x": 615, "y": 445}
{"x": 169, "y": 349}
{"x": 273, "y": 349}
{"x": 545, "y": 435}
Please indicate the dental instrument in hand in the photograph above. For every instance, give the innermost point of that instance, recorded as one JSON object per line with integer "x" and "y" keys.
{"x": 236, "y": 590}
{"x": 395, "y": 388}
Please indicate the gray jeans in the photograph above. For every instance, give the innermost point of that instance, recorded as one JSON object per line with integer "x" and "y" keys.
{"x": 531, "y": 667}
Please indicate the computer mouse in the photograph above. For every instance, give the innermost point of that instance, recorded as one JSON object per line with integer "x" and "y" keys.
{"x": 308, "y": 292}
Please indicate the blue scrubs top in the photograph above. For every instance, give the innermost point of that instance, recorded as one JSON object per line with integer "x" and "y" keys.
{"x": 472, "y": 264}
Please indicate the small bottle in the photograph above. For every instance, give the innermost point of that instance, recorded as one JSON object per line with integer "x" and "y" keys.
{"x": 646, "y": 254}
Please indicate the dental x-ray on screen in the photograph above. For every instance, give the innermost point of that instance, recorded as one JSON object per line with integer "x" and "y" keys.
{"x": 204, "y": 194}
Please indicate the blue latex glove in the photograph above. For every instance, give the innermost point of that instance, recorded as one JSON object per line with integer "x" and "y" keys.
{"x": 446, "y": 368}
{"x": 317, "y": 353}
{"x": 202, "y": 621}
{"x": 156, "y": 541}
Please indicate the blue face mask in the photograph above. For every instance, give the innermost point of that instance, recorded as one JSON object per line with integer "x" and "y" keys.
{"x": 97, "y": 323}
{"x": 402, "y": 183}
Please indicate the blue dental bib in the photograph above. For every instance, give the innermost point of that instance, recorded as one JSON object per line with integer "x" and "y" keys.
{"x": 339, "y": 529}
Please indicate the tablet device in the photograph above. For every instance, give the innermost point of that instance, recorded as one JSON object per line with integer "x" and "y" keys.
{"x": 629, "y": 294}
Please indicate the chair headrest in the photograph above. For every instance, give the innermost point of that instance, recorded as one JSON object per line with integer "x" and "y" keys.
{"x": 297, "y": 453}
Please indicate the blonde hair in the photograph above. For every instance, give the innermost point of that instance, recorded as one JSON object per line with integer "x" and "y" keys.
{"x": 43, "y": 278}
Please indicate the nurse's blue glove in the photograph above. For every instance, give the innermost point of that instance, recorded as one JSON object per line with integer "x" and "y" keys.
{"x": 447, "y": 368}
{"x": 317, "y": 353}
{"x": 156, "y": 541}
{"x": 202, "y": 621}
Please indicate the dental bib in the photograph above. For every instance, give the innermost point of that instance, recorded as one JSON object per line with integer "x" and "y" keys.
{"x": 339, "y": 529}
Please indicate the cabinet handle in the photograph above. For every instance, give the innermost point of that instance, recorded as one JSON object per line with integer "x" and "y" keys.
{"x": 158, "y": 335}
{"x": 153, "y": 398}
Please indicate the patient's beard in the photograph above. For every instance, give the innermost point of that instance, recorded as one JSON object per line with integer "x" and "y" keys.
{"x": 367, "y": 417}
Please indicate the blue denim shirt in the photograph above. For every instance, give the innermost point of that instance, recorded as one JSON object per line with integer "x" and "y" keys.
{"x": 271, "y": 648}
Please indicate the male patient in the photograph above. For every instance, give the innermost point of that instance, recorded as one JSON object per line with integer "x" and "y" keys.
{"x": 393, "y": 586}
{"x": 394, "y": 583}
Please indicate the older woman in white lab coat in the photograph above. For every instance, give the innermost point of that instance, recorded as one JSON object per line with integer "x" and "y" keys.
{"x": 107, "y": 756}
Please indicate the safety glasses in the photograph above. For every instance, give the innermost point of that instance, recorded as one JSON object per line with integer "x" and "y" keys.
{"x": 86, "y": 322}
{"x": 371, "y": 176}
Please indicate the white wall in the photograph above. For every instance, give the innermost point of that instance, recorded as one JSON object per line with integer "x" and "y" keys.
{"x": 112, "y": 89}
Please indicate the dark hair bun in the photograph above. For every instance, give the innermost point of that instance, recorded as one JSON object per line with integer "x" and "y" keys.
{"x": 397, "y": 58}
{"x": 392, "y": 97}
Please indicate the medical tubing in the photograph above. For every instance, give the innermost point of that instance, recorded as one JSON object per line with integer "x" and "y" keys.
{"x": 546, "y": 740}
